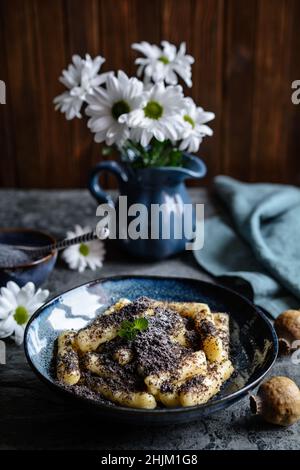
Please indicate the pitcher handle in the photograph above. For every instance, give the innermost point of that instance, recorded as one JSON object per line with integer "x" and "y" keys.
{"x": 196, "y": 167}
{"x": 94, "y": 186}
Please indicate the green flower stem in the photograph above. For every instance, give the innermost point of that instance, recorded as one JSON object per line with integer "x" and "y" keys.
{"x": 158, "y": 154}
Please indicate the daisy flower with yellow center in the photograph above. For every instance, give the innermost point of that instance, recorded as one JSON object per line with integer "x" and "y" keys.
{"x": 86, "y": 255}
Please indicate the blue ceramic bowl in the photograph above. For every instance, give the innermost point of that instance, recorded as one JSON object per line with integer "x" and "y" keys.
{"x": 36, "y": 271}
{"x": 253, "y": 341}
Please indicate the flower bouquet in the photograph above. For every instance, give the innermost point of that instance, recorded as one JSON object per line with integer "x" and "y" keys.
{"x": 154, "y": 127}
{"x": 150, "y": 122}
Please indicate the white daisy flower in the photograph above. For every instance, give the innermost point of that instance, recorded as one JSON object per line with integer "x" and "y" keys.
{"x": 16, "y": 307}
{"x": 160, "y": 117}
{"x": 165, "y": 63}
{"x": 79, "y": 257}
{"x": 194, "y": 119}
{"x": 122, "y": 95}
{"x": 81, "y": 78}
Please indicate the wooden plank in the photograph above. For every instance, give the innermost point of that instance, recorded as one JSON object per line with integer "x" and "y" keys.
{"x": 238, "y": 86}
{"x": 206, "y": 25}
{"x": 82, "y": 37}
{"x": 22, "y": 81}
{"x": 58, "y": 168}
{"x": 148, "y": 21}
{"x": 39, "y": 140}
{"x": 8, "y": 175}
{"x": 173, "y": 17}
{"x": 246, "y": 52}
{"x": 271, "y": 90}
{"x": 292, "y": 111}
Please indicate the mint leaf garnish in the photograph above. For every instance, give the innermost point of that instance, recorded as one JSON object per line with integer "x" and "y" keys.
{"x": 141, "y": 323}
{"x": 129, "y": 329}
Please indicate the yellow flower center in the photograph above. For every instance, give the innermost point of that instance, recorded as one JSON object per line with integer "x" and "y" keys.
{"x": 119, "y": 108}
{"x": 153, "y": 110}
{"x": 164, "y": 60}
{"x": 84, "y": 249}
{"x": 188, "y": 119}
{"x": 21, "y": 315}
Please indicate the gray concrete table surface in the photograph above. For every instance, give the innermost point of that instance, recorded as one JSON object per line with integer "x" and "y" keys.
{"x": 34, "y": 417}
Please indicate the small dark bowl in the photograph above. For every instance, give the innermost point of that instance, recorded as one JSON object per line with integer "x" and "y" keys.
{"x": 253, "y": 341}
{"x": 35, "y": 271}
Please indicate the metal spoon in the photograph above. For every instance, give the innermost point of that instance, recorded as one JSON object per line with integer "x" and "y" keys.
{"x": 35, "y": 251}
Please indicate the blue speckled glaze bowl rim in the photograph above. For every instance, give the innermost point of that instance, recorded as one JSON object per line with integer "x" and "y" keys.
{"x": 218, "y": 403}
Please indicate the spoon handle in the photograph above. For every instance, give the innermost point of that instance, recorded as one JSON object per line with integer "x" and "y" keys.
{"x": 61, "y": 244}
{"x": 66, "y": 242}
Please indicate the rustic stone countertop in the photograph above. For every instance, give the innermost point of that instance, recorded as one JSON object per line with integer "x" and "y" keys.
{"x": 33, "y": 417}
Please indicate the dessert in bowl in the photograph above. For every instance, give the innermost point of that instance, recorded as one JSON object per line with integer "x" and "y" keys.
{"x": 171, "y": 350}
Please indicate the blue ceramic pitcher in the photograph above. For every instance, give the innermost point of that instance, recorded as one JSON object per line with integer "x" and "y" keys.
{"x": 162, "y": 185}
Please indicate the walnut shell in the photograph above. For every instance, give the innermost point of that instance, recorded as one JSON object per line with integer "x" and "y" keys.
{"x": 278, "y": 401}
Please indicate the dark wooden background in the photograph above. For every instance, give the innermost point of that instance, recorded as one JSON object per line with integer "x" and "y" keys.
{"x": 247, "y": 54}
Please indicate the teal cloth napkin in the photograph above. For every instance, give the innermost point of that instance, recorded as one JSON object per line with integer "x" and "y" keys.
{"x": 257, "y": 242}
